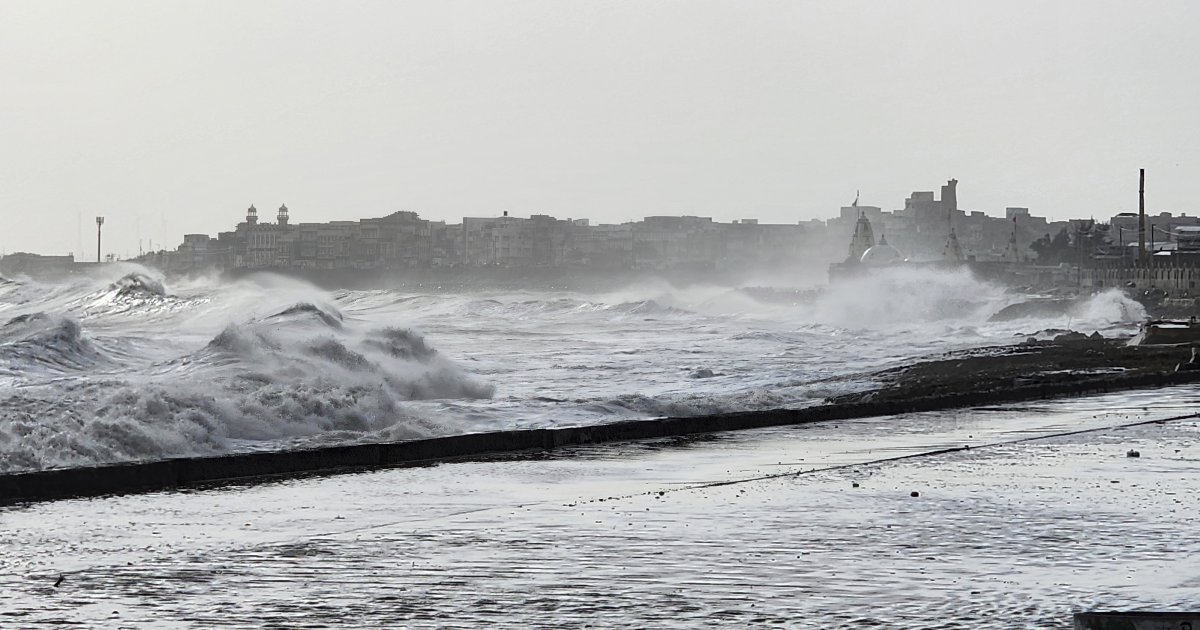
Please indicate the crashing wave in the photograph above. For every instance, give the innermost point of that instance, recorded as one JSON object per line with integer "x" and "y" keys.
{"x": 401, "y": 343}
{"x": 138, "y": 284}
{"x": 239, "y": 340}
{"x": 37, "y": 339}
{"x": 252, "y": 383}
{"x": 647, "y": 307}
{"x": 306, "y": 310}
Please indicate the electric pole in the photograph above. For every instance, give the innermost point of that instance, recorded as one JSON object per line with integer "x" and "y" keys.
{"x": 1142, "y": 216}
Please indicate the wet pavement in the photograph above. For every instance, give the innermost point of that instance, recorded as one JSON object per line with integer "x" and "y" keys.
{"x": 813, "y": 526}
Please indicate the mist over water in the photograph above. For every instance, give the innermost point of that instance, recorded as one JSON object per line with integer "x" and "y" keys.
{"x": 127, "y": 366}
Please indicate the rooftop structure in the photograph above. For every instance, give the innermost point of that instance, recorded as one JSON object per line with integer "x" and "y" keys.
{"x": 881, "y": 255}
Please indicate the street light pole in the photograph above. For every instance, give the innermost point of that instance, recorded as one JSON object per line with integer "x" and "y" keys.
{"x": 99, "y": 224}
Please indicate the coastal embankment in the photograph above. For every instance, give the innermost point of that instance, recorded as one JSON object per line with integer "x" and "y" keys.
{"x": 979, "y": 377}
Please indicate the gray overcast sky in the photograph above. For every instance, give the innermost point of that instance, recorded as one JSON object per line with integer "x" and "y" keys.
{"x": 172, "y": 117}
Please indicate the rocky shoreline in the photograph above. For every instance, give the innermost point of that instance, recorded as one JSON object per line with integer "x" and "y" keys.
{"x": 1072, "y": 360}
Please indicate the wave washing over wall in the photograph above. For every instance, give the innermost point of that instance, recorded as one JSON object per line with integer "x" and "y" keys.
{"x": 125, "y": 366}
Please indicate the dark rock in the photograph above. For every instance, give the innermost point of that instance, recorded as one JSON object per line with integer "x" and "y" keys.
{"x": 1037, "y": 307}
{"x": 1192, "y": 363}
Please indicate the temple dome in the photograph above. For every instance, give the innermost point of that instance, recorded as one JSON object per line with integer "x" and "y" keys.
{"x": 881, "y": 255}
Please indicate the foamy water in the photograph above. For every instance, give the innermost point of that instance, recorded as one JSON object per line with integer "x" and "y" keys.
{"x": 128, "y": 366}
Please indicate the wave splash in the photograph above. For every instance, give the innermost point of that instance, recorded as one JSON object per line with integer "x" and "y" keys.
{"x": 906, "y": 296}
{"x": 37, "y": 342}
{"x": 75, "y": 394}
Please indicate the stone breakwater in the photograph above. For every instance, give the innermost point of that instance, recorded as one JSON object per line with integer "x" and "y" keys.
{"x": 968, "y": 379}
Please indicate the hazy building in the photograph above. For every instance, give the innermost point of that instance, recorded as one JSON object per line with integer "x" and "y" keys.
{"x": 548, "y": 240}
{"x": 35, "y": 265}
{"x": 665, "y": 242}
{"x": 401, "y": 239}
{"x": 600, "y": 246}
{"x": 198, "y": 251}
{"x": 748, "y": 243}
{"x": 502, "y": 240}
{"x": 404, "y": 240}
{"x": 1162, "y": 230}
{"x": 260, "y": 238}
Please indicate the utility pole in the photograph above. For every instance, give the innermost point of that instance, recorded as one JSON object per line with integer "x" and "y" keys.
{"x": 1142, "y": 216}
{"x": 99, "y": 224}
{"x": 1079, "y": 247}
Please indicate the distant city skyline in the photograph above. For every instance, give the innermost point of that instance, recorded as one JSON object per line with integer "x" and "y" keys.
{"x": 172, "y": 119}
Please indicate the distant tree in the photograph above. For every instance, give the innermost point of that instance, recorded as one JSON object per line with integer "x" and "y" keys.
{"x": 1085, "y": 240}
{"x": 1052, "y": 251}
{"x": 1093, "y": 238}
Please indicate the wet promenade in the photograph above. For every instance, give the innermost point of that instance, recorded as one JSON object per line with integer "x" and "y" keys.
{"x": 758, "y": 528}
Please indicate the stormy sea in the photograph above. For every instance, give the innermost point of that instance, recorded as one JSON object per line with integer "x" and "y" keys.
{"x": 129, "y": 366}
{"x": 992, "y": 517}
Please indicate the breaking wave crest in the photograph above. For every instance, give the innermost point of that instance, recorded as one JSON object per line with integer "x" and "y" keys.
{"x": 298, "y": 375}
{"x": 37, "y": 341}
{"x": 138, "y": 283}
{"x": 1110, "y": 307}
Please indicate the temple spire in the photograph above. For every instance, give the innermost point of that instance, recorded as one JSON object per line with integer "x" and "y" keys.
{"x": 862, "y": 240}
{"x": 953, "y": 251}
{"x": 1011, "y": 253}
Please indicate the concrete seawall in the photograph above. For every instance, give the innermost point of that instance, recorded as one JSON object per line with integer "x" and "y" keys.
{"x": 248, "y": 467}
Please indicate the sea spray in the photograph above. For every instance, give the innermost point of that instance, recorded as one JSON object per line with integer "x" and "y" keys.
{"x": 1107, "y": 308}
{"x": 903, "y": 296}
